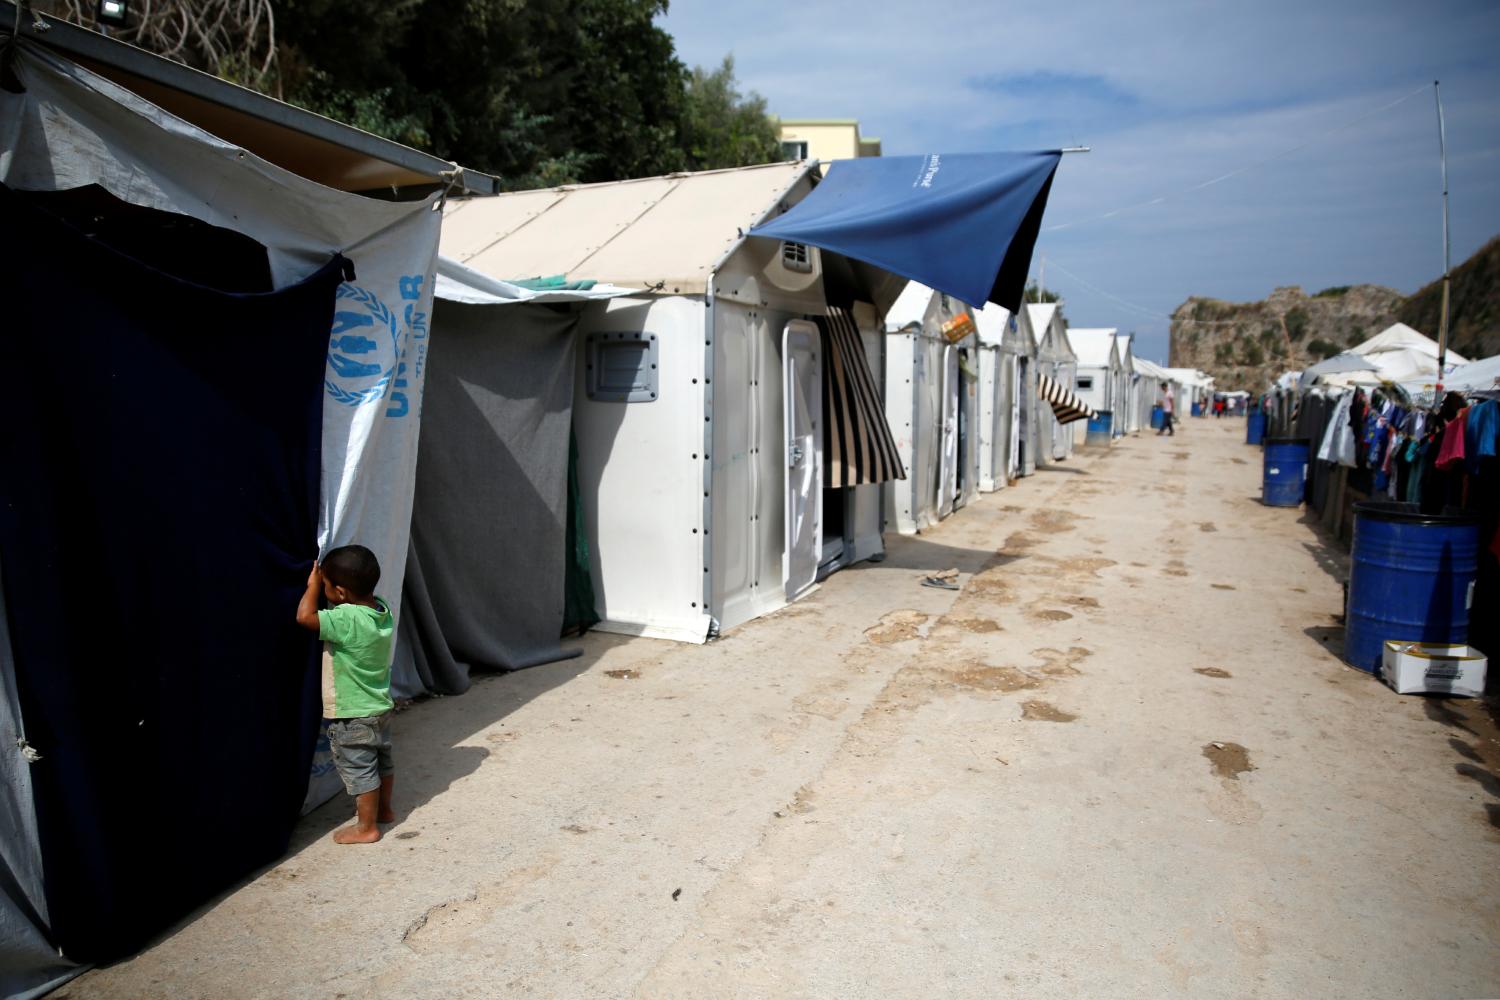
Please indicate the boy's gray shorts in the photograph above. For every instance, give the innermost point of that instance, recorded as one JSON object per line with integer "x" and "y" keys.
{"x": 361, "y": 751}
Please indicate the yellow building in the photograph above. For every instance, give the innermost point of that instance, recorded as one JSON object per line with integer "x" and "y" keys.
{"x": 825, "y": 139}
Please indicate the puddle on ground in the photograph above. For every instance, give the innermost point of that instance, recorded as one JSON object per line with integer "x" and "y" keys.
{"x": 1084, "y": 567}
{"x": 1056, "y": 663}
{"x": 1238, "y": 461}
{"x": 1207, "y": 526}
{"x": 1052, "y": 521}
{"x": 1011, "y": 508}
{"x": 988, "y": 584}
{"x": 976, "y": 625}
{"x": 1299, "y": 590}
{"x": 1219, "y": 672}
{"x": 896, "y": 626}
{"x": 1222, "y": 586}
{"x": 1017, "y": 541}
{"x": 1175, "y": 572}
{"x": 982, "y": 677}
{"x": 408, "y": 834}
{"x": 1041, "y": 711}
{"x": 1050, "y": 615}
{"x": 575, "y": 828}
{"x": 1229, "y": 760}
{"x": 623, "y": 675}
{"x": 1140, "y": 565}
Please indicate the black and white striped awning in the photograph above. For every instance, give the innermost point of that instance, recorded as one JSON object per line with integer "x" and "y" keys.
{"x": 1066, "y": 406}
{"x": 858, "y": 448}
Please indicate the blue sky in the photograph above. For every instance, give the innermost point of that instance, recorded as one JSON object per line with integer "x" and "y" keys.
{"x": 1168, "y": 95}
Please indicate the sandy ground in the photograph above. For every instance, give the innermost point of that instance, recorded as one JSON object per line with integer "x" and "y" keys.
{"x": 1122, "y": 761}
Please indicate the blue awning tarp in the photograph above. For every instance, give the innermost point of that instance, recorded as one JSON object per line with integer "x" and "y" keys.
{"x": 961, "y": 223}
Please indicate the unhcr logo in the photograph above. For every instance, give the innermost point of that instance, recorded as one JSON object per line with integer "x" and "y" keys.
{"x": 365, "y": 346}
{"x": 930, "y": 166}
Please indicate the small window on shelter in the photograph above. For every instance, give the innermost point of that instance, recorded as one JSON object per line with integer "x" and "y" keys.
{"x": 622, "y": 367}
{"x": 1085, "y": 381}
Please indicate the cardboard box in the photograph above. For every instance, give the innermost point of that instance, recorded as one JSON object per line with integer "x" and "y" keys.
{"x": 1433, "y": 668}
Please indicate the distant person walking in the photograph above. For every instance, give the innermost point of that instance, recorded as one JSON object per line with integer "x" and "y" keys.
{"x": 1218, "y": 408}
{"x": 1166, "y": 414}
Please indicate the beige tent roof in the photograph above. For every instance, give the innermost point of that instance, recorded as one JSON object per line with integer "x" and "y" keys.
{"x": 664, "y": 233}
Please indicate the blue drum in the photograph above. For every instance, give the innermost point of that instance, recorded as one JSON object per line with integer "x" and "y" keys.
{"x": 1156, "y": 418}
{"x": 1411, "y": 579}
{"x": 1100, "y": 429}
{"x": 1284, "y": 472}
{"x": 1255, "y": 427}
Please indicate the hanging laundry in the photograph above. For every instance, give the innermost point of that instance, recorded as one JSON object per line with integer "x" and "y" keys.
{"x": 1480, "y": 433}
{"x": 1451, "y": 454}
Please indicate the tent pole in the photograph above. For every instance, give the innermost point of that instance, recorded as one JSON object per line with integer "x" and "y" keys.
{"x": 1447, "y": 246}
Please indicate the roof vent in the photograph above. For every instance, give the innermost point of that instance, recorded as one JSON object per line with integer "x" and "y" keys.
{"x": 795, "y": 257}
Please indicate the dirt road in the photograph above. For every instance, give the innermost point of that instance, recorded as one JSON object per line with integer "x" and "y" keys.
{"x": 1122, "y": 761}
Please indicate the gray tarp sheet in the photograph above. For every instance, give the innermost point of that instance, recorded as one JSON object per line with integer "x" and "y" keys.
{"x": 29, "y": 966}
{"x": 487, "y": 561}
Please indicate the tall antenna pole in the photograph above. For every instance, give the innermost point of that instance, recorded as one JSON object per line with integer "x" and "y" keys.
{"x": 1447, "y": 247}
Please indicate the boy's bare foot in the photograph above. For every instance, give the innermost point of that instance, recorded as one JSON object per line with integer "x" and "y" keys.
{"x": 386, "y": 816}
{"x": 354, "y": 834}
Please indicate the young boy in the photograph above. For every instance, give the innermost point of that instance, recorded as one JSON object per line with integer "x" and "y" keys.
{"x": 357, "y": 627}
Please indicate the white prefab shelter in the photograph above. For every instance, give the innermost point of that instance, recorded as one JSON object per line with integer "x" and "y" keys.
{"x": 1190, "y": 388}
{"x": 698, "y": 403}
{"x": 1007, "y": 395}
{"x": 1127, "y": 405}
{"x": 1151, "y": 380}
{"x": 932, "y": 405}
{"x": 1097, "y": 379}
{"x": 1055, "y": 359}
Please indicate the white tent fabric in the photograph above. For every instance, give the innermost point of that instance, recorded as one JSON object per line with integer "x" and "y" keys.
{"x": 70, "y": 128}
{"x": 1397, "y": 354}
{"x": 1476, "y": 376}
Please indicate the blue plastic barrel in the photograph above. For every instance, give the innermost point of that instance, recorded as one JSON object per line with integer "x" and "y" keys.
{"x": 1156, "y": 418}
{"x": 1284, "y": 472}
{"x": 1411, "y": 579}
{"x": 1255, "y": 427}
{"x": 1197, "y": 409}
{"x": 1100, "y": 429}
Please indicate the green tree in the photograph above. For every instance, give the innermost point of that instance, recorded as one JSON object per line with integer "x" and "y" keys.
{"x": 1034, "y": 293}
{"x": 722, "y": 127}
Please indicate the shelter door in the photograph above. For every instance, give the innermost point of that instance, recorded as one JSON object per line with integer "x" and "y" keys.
{"x": 948, "y": 464}
{"x": 1013, "y": 446}
{"x": 802, "y": 393}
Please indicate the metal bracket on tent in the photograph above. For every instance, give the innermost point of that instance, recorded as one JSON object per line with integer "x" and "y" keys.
{"x": 27, "y": 750}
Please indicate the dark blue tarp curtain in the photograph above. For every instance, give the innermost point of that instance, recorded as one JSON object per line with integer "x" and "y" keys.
{"x": 158, "y": 517}
{"x": 964, "y": 224}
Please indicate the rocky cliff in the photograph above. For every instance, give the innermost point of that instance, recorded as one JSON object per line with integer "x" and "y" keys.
{"x": 1245, "y": 345}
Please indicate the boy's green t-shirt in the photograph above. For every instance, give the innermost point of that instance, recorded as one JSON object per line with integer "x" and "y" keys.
{"x": 357, "y": 664}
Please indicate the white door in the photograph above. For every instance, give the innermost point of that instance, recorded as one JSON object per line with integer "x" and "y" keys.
{"x": 948, "y": 464}
{"x": 802, "y": 393}
{"x": 1013, "y": 465}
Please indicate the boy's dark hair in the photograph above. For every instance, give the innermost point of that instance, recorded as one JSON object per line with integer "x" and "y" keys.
{"x": 354, "y": 568}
